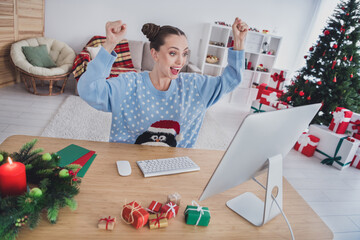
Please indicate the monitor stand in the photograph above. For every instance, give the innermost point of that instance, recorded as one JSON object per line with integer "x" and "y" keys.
{"x": 254, "y": 209}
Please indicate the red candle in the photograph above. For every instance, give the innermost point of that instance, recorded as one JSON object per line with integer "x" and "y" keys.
{"x": 12, "y": 179}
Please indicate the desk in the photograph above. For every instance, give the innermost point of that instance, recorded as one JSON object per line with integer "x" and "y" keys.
{"x": 103, "y": 192}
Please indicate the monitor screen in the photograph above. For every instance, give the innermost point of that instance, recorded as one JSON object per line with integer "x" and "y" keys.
{"x": 259, "y": 137}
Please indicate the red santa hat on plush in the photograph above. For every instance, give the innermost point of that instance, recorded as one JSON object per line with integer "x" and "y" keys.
{"x": 167, "y": 126}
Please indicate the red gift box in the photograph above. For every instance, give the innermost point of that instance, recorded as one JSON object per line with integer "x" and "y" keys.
{"x": 135, "y": 215}
{"x": 307, "y": 144}
{"x": 340, "y": 121}
{"x": 268, "y": 95}
{"x": 356, "y": 160}
{"x": 154, "y": 207}
{"x": 170, "y": 210}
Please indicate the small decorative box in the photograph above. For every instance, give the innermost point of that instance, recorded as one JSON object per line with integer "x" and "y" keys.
{"x": 197, "y": 215}
{"x": 340, "y": 121}
{"x": 135, "y": 215}
{"x": 307, "y": 144}
{"x": 170, "y": 210}
{"x": 354, "y": 124}
{"x": 157, "y": 221}
{"x": 107, "y": 223}
{"x": 154, "y": 207}
{"x": 268, "y": 95}
{"x": 175, "y": 198}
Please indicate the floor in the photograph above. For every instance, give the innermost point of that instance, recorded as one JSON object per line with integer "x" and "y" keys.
{"x": 334, "y": 195}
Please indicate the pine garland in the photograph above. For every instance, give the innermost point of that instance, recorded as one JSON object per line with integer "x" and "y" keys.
{"x": 55, "y": 190}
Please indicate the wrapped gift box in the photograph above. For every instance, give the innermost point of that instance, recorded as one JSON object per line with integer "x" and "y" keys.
{"x": 354, "y": 124}
{"x": 197, "y": 215}
{"x": 175, "y": 198}
{"x": 340, "y": 121}
{"x": 356, "y": 159}
{"x": 357, "y": 136}
{"x": 157, "y": 221}
{"x": 135, "y": 215}
{"x": 257, "y": 107}
{"x": 334, "y": 149}
{"x": 170, "y": 210}
{"x": 154, "y": 207}
{"x": 307, "y": 144}
{"x": 268, "y": 95}
{"x": 277, "y": 80}
{"x": 107, "y": 223}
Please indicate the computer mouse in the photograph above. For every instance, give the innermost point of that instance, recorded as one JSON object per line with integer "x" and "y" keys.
{"x": 124, "y": 168}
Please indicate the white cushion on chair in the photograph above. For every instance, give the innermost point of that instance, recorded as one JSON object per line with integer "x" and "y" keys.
{"x": 59, "y": 51}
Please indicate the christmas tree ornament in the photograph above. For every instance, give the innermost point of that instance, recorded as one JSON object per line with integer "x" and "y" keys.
{"x": 333, "y": 64}
{"x": 298, "y": 77}
{"x": 46, "y": 157}
{"x": 306, "y": 81}
{"x": 312, "y": 66}
{"x": 334, "y": 80}
{"x": 301, "y": 93}
{"x": 319, "y": 83}
{"x": 311, "y": 49}
{"x": 324, "y": 53}
{"x": 308, "y": 98}
{"x": 326, "y": 32}
{"x": 347, "y": 37}
{"x": 305, "y": 57}
{"x": 347, "y": 14}
{"x": 64, "y": 173}
{"x": 344, "y": 58}
{"x": 351, "y": 75}
{"x": 351, "y": 58}
{"x": 335, "y": 46}
{"x": 35, "y": 192}
{"x": 288, "y": 99}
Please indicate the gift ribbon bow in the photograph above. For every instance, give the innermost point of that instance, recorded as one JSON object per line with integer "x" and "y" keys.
{"x": 131, "y": 214}
{"x": 271, "y": 98}
{"x": 330, "y": 160}
{"x": 305, "y": 140}
{"x": 356, "y": 125}
{"x": 257, "y": 110}
{"x": 198, "y": 209}
{"x": 278, "y": 78}
{"x": 339, "y": 116}
{"x": 108, "y": 220}
{"x": 171, "y": 208}
{"x": 157, "y": 219}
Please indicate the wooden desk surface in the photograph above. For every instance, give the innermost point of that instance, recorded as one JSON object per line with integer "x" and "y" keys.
{"x": 103, "y": 192}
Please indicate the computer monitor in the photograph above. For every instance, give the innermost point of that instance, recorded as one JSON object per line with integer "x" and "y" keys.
{"x": 261, "y": 142}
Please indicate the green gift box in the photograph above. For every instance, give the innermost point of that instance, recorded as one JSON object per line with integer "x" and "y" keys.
{"x": 196, "y": 215}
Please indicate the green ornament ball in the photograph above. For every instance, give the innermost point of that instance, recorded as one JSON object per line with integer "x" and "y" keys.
{"x": 1, "y": 157}
{"x": 36, "y": 192}
{"x": 64, "y": 173}
{"x": 46, "y": 157}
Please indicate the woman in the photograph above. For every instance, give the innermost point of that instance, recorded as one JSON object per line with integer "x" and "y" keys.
{"x": 162, "y": 107}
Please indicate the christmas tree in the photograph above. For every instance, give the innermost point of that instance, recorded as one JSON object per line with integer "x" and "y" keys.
{"x": 331, "y": 73}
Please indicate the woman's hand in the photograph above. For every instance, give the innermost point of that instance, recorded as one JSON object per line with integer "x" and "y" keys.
{"x": 240, "y": 30}
{"x": 115, "y": 32}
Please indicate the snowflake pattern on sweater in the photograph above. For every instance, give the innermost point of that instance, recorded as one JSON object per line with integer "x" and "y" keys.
{"x": 136, "y": 105}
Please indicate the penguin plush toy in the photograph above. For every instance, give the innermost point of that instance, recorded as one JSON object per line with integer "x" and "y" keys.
{"x": 164, "y": 133}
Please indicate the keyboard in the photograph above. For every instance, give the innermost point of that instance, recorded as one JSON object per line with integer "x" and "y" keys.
{"x": 167, "y": 166}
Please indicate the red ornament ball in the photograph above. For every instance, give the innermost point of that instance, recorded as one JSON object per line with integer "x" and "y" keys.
{"x": 335, "y": 46}
{"x": 306, "y": 81}
{"x": 347, "y": 14}
{"x": 319, "y": 83}
{"x": 347, "y": 37}
{"x": 311, "y": 49}
{"x": 326, "y": 32}
{"x": 305, "y": 57}
{"x": 301, "y": 93}
{"x": 312, "y": 66}
{"x": 345, "y": 58}
{"x": 351, "y": 75}
{"x": 289, "y": 98}
{"x": 343, "y": 8}
{"x": 308, "y": 98}
{"x": 298, "y": 77}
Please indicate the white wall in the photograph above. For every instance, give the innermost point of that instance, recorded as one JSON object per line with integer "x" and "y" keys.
{"x": 76, "y": 21}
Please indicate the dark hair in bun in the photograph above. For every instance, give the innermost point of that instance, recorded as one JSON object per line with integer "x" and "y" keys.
{"x": 157, "y": 34}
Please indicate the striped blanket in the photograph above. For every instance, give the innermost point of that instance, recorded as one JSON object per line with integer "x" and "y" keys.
{"x": 122, "y": 64}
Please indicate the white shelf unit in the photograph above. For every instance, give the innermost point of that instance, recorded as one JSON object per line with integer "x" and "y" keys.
{"x": 257, "y": 48}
